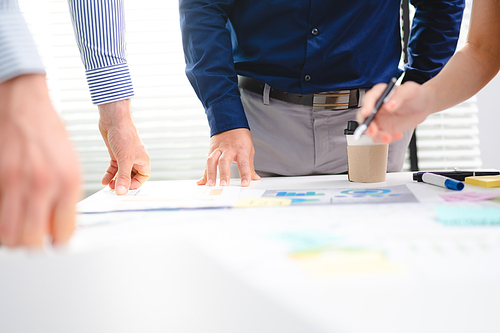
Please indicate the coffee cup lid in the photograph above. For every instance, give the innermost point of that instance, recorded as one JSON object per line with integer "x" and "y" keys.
{"x": 351, "y": 127}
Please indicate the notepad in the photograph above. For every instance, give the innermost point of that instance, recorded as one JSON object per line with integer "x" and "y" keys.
{"x": 485, "y": 181}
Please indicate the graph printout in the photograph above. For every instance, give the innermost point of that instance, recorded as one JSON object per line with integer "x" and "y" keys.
{"x": 390, "y": 194}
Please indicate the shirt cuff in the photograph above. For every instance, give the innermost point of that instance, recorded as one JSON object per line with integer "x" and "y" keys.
{"x": 416, "y": 76}
{"x": 226, "y": 115}
{"x": 18, "y": 52}
{"x": 110, "y": 84}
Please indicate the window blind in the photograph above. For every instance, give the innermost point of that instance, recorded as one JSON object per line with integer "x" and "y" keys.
{"x": 170, "y": 119}
{"x": 168, "y": 115}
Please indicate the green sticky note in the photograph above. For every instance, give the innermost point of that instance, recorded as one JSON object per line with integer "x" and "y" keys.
{"x": 468, "y": 216}
{"x": 497, "y": 200}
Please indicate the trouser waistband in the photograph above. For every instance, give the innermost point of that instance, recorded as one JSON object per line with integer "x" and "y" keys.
{"x": 334, "y": 100}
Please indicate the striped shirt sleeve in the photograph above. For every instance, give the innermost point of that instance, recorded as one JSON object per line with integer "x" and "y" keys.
{"x": 99, "y": 30}
{"x": 18, "y": 53}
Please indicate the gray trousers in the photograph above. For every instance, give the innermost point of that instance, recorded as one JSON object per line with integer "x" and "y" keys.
{"x": 295, "y": 140}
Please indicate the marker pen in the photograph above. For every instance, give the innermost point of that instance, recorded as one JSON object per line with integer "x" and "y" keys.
{"x": 383, "y": 99}
{"x": 457, "y": 175}
{"x": 432, "y": 178}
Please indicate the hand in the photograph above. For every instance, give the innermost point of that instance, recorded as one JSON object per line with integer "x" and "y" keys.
{"x": 129, "y": 167}
{"x": 408, "y": 107}
{"x": 39, "y": 178}
{"x": 226, "y": 147}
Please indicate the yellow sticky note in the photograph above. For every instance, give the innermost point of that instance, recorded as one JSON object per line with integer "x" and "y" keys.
{"x": 217, "y": 191}
{"x": 485, "y": 181}
{"x": 262, "y": 202}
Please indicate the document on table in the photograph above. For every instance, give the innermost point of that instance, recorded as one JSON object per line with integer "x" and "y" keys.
{"x": 157, "y": 196}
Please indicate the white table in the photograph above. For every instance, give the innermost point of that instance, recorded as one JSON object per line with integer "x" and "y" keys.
{"x": 304, "y": 268}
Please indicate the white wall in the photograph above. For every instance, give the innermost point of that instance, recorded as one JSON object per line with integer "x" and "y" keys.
{"x": 489, "y": 123}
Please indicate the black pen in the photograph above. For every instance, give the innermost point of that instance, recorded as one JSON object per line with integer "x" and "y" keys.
{"x": 457, "y": 175}
{"x": 384, "y": 98}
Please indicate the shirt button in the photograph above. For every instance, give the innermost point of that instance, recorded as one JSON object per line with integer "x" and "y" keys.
{"x": 307, "y": 78}
{"x": 315, "y": 31}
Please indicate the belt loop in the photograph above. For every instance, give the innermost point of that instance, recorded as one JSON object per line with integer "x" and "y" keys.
{"x": 361, "y": 97}
{"x": 265, "y": 94}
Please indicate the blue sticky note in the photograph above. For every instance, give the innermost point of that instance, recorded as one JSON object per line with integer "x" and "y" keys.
{"x": 306, "y": 240}
{"x": 468, "y": 216}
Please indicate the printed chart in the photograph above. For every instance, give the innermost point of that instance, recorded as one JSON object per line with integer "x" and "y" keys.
{"x": 392, "y": 194}
{"x": 152, "y": 196}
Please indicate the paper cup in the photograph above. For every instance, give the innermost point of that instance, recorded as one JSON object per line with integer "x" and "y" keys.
{"x": 366, "y": 160}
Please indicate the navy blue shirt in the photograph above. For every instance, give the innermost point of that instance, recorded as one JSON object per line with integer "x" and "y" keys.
{"x": 336, "y": 44}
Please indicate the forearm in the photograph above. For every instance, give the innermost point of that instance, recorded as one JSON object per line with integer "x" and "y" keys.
{"x": 471, "y": 68}
{"x": 209, "y": 62}
{"x": 466, "y": 73}
{"x": 18, "y": 53}
{"x": 99, "y": 27}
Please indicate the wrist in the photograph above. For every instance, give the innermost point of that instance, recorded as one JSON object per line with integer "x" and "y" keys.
{"x": 25, "y": 98}
{"x": 23, "y": 88}
{"x": 429, "y": 98}
{"x": 114, "y": 113}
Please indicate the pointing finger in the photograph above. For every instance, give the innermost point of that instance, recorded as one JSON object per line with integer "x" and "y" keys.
{"x": 225, "y": 161}
{"x": 122, "y": 181}
{"x": 212, "y": 162}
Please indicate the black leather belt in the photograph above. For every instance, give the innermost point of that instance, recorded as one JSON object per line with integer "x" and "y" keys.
{"x": 335, "y": 100}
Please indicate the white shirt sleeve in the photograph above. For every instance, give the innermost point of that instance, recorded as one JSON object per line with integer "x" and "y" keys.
{"x": 18, "y": 52}
{"x": 100, "y": 34}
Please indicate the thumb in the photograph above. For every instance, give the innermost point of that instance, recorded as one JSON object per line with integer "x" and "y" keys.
{"x": 123, "y": 177}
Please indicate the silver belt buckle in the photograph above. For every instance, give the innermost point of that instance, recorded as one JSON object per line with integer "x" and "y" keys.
{"x": 332, "y": 100}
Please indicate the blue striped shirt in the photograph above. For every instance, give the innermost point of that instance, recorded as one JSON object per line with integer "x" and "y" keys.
{"x": 18, "y": 53}
{"x": 99, "y": 30}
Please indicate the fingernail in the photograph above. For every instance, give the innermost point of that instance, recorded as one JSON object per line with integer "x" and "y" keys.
{"x": 244, "y": 182}
{"x": 223, "y": 183}
{"x": 121, "y": 190}
{"x": 210, "y": 182}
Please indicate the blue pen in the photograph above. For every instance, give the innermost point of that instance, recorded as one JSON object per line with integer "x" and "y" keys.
{"x": 446, "y": 182}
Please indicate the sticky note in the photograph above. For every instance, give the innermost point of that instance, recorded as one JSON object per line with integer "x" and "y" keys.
{"x": 467, "y": 216}
{"x": 262, "y": 202}
{"x": 468, "y": 196}
{"x": 485, "y": 181}
{"x": 497, "y": 200}
{"x": 217, "y": 191}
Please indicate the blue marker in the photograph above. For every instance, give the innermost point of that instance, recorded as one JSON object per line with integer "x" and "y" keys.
{"x": 452, "y": 184}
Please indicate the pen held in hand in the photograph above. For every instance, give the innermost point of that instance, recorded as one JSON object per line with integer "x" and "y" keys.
{"x": 383, "y": 98}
